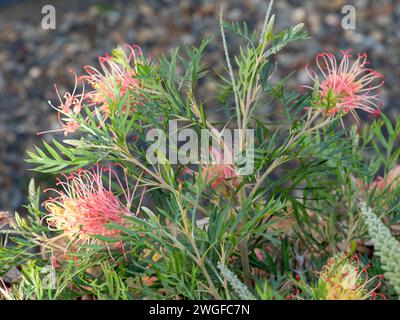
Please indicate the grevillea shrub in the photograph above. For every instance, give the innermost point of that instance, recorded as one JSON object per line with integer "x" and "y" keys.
{"x": 301, "y": 203}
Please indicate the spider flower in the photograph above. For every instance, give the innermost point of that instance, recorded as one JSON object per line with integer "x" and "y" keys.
{"x": 389, "y": 181}
{"x": 347, "y": 85}
{"x": 342, "y": 279}
{"x": 69, "y": 106}
{"x": 111, "y": 83}
{"x": 219, "y": 171}
{"x": 85, "y": 205}
{"x": 108, "y": 87}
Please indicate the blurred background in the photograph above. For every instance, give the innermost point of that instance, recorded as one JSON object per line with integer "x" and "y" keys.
{"x": 33, "y": 59}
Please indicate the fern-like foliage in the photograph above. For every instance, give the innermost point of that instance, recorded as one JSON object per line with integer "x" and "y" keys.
{"x": 386, "y": 247}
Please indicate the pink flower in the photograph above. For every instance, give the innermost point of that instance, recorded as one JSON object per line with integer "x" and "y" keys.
{"x": 109, "y": 87}
{"x": 220, "y": 171}
{"x": 71, "y": 104}
{"x": 347, "y": 86}
{"x": 86, "y": 205}
{"x": 117, "y": 75}
{"x": 389, "y": 181}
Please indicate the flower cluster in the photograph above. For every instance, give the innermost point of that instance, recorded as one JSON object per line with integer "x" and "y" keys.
{"x": 347, "y": 86}
{"x": 109, "y": 86}
{"x": 220, "y": 171}
{"x": 86, "y": 204}
{"x": 118, "y": 75}
{"x": 342, "y": 279}
{"x": 70, "y": 105}
{"x": 389, "y": 181}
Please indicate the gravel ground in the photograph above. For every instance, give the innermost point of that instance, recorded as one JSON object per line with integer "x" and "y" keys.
{"x": 32, "y": 59}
